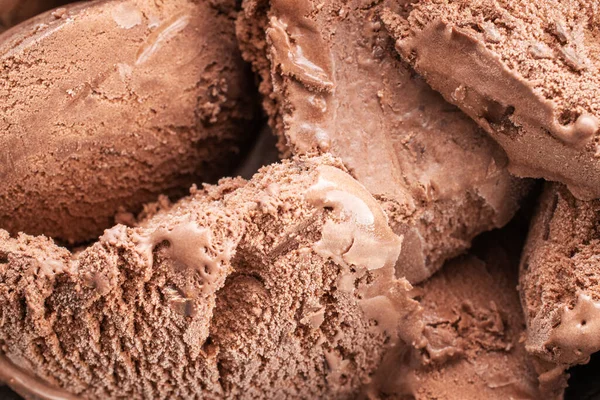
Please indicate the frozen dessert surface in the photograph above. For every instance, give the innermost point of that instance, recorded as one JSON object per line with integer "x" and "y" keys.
{"x": 560, "y": 286}
{"x": 527, "y": 73}
{"x": 474, "y": 329}
{"x": 87, "y": 129}
{"x": 354, "y": 268}
{"x": 331, "y": 81}
{"x": 280, "y": 287}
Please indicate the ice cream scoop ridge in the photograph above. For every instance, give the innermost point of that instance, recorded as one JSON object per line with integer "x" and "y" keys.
{"x": 453, "y": 46}
{"x": 527, "y": 75}
{"x": 297, "y": 265}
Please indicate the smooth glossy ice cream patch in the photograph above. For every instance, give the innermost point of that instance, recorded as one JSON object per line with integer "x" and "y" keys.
{"x": 359, "y": 234}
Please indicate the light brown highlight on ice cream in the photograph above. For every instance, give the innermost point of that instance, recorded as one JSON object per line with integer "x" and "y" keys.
{"x": 363, "y": 236}
{"x": 578, "y": 334}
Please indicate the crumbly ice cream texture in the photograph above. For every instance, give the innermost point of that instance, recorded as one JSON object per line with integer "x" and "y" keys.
{"x": 526, "y": 72}
{"x": 14, "y": 11}
{"x": 87, "y": 130}
{"x": 560, "y": 280}
{"x": 278, "y": 287}
{"x": 474, "y": 327}
{"x": 331, "y": 81}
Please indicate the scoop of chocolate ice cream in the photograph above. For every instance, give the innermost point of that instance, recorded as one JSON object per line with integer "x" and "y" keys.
{"x": 331, "y": 81}
{"x": 108, "y": 104}
{"x": 527, "y": 73}
{"x": 560, "y": 280}
{"x": 474, "y": 327}
{"x": 279, "y": 287}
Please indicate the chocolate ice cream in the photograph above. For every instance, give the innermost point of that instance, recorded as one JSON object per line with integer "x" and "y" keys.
{"x": 474, "y": 328}
{"x": 280, "y": 287}
{"x": 331, "y": 81}
{"x": 560, "y": 280}
{"x": 319, "y": 277}
{"x": 527, "y": 72}
{"x": 108, "y": 104}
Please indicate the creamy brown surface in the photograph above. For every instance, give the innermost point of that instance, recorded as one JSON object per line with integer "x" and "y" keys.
{"x": 474, "y": 326}
{"x": 526, "y": 72}
{"x": 560, "y": 286}
{"x": 87, "y": 129}
{"x": 331, "y": 82}
{"x": 297, "y": 281}
{"x": 237, "y": 291}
